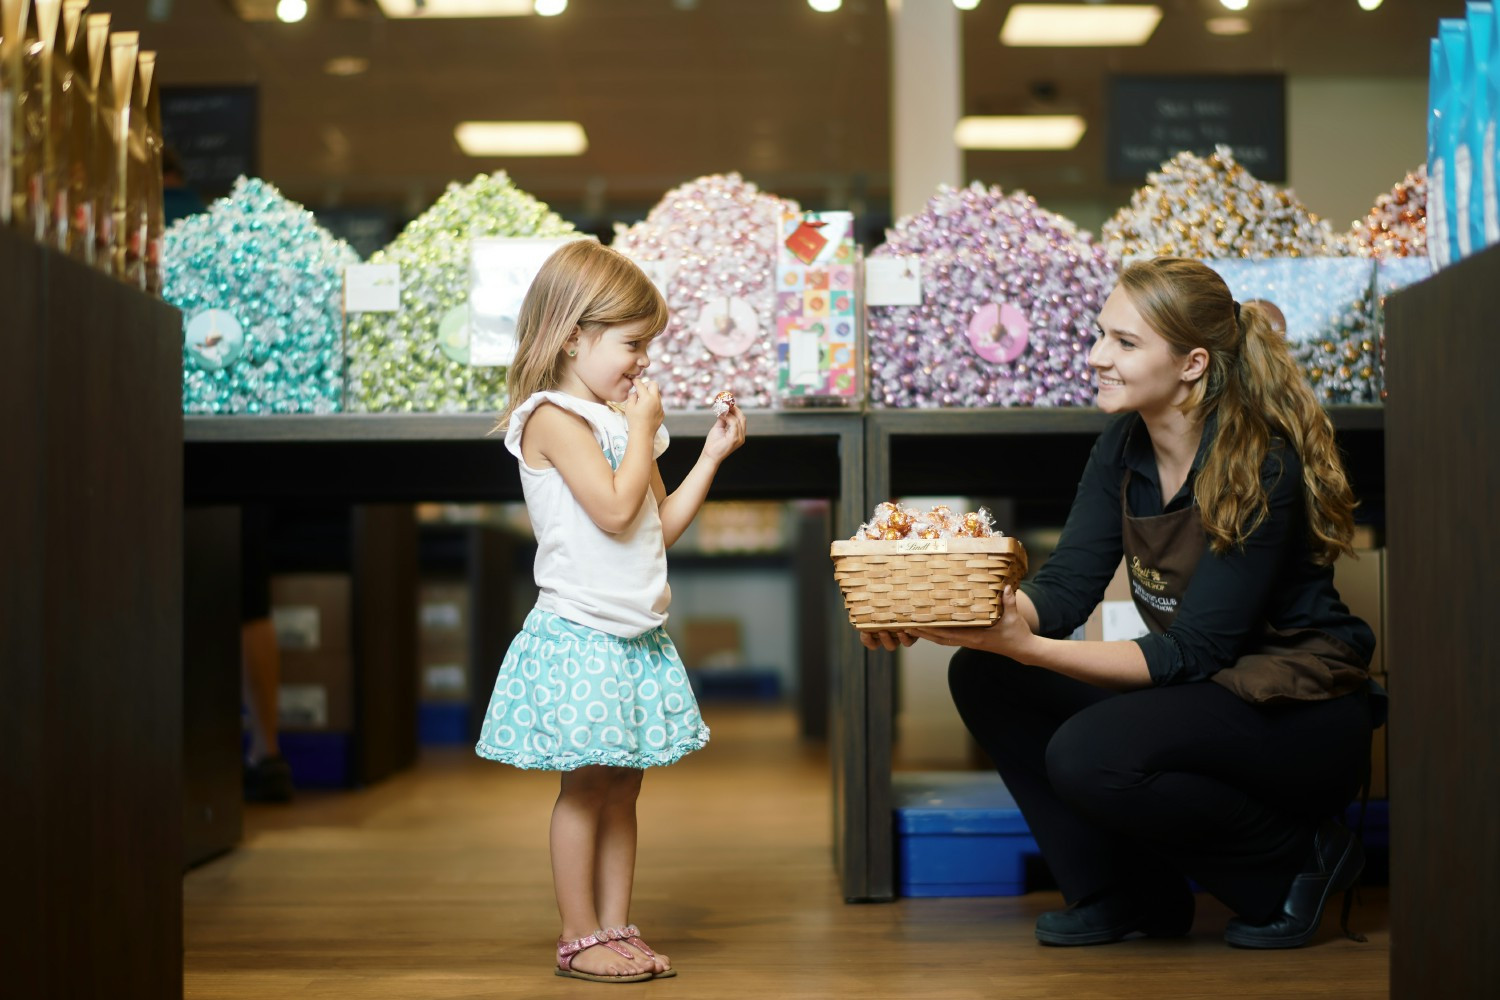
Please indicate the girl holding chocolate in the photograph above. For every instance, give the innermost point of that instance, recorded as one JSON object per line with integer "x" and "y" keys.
{"x": 592, "y": 686}
{"x": 1223, "y": 745}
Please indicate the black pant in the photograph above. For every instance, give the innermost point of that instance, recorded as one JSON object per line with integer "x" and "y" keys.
{"x": 1187, "y": 778}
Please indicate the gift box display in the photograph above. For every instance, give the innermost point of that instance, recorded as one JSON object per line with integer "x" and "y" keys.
{"x": 711, "y": 247}
{"x": 1214, "y": 208}
{"x": 936, "y": 569}
{"x": 258, "y": 281}
{"x": 1008, "y": 297}
{"x": 816, "y": 309}
{"x": 417, "y": 358}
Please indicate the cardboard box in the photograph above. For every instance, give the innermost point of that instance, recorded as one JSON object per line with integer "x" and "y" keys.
{"x": 1116, "y": 616}
{"x": 311, "y": 614}
{"x": 443, "y": 673}
{"x": 443, "y": 668}
{"x": 710, "y": 642}
{"x": 1361, "y": 586}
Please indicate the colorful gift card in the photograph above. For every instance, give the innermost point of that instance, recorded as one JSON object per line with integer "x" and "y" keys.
{"x": 816, "y": 308}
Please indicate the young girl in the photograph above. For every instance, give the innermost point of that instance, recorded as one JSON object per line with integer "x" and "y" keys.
{"x": 592, "y": 686}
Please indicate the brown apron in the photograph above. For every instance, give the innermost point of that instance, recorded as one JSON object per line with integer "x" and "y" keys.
{"x": 1302, "y": 664}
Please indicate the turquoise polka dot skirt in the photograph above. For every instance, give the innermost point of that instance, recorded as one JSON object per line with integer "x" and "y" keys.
{"x": 569, "y": 696}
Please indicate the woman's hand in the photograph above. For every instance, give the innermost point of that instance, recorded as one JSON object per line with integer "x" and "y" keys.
{"x": 1009, "y": 636}
{"x": 726, "y": 435}
{"x": 885, "y": 640}
{"x": 642, "y": 408}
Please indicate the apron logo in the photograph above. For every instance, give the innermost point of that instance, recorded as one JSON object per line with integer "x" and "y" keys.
{"x": 1145, "y": 576}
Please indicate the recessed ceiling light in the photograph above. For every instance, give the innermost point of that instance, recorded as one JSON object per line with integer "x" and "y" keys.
{"x": 1079, "y": 24}
{"x": 455, "y": 8}
{"x": 291, "y": 11}
{"x": 1235, "y": 4}
{"x": 521, "y": 138}
{"x": 1228, "y": 25}
{"x": 550, "y": 8}
{"x": 825, "y": 6}
{"x": 1019, "y": 132}
{"x": 1368, "y": 4}
{"x": 346, "y": 66}
{"x": 966, "y": 4}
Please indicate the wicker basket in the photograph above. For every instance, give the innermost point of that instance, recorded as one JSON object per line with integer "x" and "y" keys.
{"x": 939, "y": 582}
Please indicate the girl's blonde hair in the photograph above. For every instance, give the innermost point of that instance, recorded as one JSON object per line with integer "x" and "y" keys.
{"x": 583, "y": 286}
{"x": 1258, "y": 392}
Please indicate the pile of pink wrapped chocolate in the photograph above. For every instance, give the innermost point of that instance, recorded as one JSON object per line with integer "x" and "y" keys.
{"x": 895, "y": 521}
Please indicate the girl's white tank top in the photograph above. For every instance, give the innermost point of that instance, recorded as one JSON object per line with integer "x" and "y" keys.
{"x": 615, "y": 583}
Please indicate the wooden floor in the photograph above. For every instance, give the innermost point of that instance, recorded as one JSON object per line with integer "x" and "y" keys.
{"x": 435, "y": 884}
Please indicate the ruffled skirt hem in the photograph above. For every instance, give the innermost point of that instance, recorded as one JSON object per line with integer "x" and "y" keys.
{"x": 531, "y": 761}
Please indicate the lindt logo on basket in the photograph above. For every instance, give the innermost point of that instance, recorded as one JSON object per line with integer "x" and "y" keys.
{"x": 922, "y": 545}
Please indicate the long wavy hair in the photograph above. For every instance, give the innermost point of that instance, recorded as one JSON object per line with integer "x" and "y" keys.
{"x": 583, "y": 286}
{"x": 1258, "y": 393}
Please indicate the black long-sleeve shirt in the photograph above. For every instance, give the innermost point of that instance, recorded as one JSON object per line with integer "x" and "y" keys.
{"x": 1272, "y": 579}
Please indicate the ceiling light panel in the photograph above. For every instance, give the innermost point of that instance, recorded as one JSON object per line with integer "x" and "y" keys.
{"x": 1019, "y": 132}
{"x": 521, "y": 138}
{"x": 1076, "y": 25}
{"x": 455, "y": 8}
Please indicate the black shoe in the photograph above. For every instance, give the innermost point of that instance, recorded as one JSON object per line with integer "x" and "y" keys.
{"x": 1163, "y": 910}
{"x": 268, "y": 780}
{"x": 1337, "y": 859}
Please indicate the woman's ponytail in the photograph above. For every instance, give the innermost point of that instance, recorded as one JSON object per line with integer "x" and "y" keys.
{"x": 1254, "y": 387}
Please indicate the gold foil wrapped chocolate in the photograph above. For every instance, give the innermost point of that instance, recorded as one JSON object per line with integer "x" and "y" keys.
{"x": 124, "y": 53}
{"x": 103, "y": 166}
{"x": 14, "y": 16}
{"x": 893, "y": 522}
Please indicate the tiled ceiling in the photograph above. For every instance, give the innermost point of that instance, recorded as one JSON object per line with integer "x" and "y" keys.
{"x": 672, "y": 89}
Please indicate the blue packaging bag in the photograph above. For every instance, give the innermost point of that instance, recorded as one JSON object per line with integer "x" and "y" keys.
{"x": 1473, "y": 157}
{"x": 1446, "y": 100}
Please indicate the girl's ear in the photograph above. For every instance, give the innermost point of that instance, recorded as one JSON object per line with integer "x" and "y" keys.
{"x": 570, "y": 346}
{"x": 1195, "y": 365}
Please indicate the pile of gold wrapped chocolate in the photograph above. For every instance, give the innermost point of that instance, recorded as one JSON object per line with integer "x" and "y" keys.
{"x": 895, "y": 521}
{"x": 80, "y": 137}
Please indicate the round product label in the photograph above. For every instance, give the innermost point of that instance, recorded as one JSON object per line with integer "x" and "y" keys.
{"x": 728, "y": 326}
{"x": 215, "y": 339}
{"x": 453, "y": 334}
{"x": 998, "y": 332}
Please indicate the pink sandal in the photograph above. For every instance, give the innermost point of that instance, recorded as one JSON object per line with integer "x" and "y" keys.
{"x": 567, "y": 949}
{"x": 631, "y": 935}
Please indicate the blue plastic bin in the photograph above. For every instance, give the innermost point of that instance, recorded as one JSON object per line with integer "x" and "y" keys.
{"x": 959, "y": 833}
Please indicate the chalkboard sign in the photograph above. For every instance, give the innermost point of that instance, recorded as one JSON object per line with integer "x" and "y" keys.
{"x": 216, "y": 133}
{"x": 1153, "y": 118}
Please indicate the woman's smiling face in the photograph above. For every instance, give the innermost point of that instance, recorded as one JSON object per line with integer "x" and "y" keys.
{"x": 1135, "y": 368}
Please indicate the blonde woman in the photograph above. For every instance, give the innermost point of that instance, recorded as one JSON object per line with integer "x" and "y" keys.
{"x": 592, "y": 686}
{"x": 1222, "y": 745}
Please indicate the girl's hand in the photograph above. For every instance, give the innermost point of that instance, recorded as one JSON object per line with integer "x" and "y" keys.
{"x": 1008, "y": 636}
{"x": 643, "y": 408}
{"x": 885, "y": 640}
{"x": 727, "y": 434}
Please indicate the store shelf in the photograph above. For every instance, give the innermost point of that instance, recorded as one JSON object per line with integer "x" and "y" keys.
{"x": 384, "y": 457}
{"x": 855, "y": 457}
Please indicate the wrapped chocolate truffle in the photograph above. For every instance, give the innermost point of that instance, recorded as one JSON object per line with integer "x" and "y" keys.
{"x": 1213, "y": 207}
{"x": 1397, "y": 225}
{"x": 723, "y": 402}
{"x": 710, "y": 246}
{"x": 891, "y": 522}
{"x": 417, "y": 358}
{"x": 1009, "y": 294}
{"x": 258, "y": 282}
